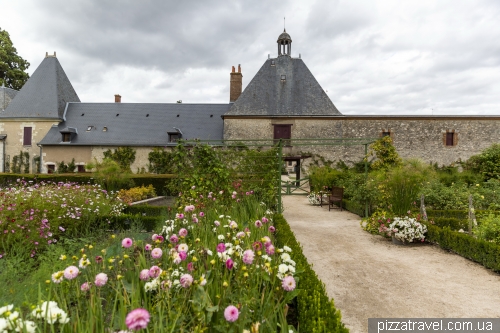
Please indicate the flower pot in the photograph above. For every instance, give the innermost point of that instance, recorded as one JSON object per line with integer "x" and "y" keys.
{"x": 398, "y": 242}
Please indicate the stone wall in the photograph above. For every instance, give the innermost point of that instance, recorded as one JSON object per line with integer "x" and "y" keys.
{"x": 414, "y": 137}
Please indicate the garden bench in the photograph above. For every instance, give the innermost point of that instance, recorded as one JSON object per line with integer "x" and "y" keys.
{"x": 335, "y": 196}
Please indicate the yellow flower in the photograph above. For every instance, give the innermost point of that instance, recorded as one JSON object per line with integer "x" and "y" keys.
{"x": 84, "y": 256}
{"x": 74, "y": 257}
{"x": 125, "y": 256}
{"x": 120, "y": 262}
{"x": 197, "y": 240}
{"x": 477, "y": 185}
{"x": 244, "y": 268}
{"x": 268, "y": 264}
{"x": 113, "y": 236}
{"x": 103, "y": 251}
{"x": 82, "y": 250}
{"x": 259, "y": 253}
{"x": 62, "y": 257}
{"x": 47, "y": 281}
{"x": 255, "y": 327}
{"x": 195, "y": 259}
{"x": 110, "y": 267}
{"x": 225, "y": 284}
{"x": 237, "y": 242}
{"x": 111, "y": 260}
{"x": 212, "y": 262}
{"x": 119, "y": 277}
{"x": 245, "y": 274}
{"x": 91, "y": 247}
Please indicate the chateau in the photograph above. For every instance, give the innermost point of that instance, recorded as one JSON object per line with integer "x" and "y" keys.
{"x": 283, "y": 100}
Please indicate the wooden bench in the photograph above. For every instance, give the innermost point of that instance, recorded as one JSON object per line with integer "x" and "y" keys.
{"x": 335, "y": 196}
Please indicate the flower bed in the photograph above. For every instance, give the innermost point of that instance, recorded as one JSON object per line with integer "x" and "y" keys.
{"x": 210, "y": 268}
{"x": 35, "y": 215}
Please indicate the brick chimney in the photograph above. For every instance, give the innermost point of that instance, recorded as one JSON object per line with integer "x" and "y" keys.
{"x": 118, "y": 98}
{"x": 236, "y": 84}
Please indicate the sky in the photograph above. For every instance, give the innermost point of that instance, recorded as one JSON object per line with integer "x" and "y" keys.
{"x": 380, "y": 57}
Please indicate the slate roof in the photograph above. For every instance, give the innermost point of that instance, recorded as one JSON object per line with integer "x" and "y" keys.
{"x": 137, "y": 124}
{"x": 298, "y": 95}
{"x": 44, "y": 95}
{"x": 6, "y": 96}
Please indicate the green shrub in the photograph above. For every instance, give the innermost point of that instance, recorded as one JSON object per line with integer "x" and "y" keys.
{"x": 487, "y": 163}
{"x": 488, "y": 228}
{"x": 452, "y": 223}
{"x": 146, "y": 210}
{"x": 316, "y": 311}
{"x": 136, "y": 193}
{"x": 478, "y": 250}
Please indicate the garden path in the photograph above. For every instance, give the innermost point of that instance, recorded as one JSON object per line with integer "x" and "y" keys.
{"x": 369, "y": 277}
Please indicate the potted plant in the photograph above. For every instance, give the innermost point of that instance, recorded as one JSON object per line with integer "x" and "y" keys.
{"x": 406, "y": 230}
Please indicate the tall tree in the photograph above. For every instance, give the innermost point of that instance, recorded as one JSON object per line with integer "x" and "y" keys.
{"x": 12, "y": 66}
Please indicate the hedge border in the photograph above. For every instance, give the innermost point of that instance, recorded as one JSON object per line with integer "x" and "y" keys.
{"x": 480, "y": 251}
{"x": 316, "y": 311}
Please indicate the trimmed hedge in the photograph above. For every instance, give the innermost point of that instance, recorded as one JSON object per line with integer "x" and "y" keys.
{"x": 125, "y": 221}
{"x": 452, "y": 223}
{"x": 485, "y": 253}
{"x": 146, "y": 210}
{"x": 316, "y": 311}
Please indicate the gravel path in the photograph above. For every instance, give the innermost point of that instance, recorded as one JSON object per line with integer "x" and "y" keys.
{"x": 369, "y": 277}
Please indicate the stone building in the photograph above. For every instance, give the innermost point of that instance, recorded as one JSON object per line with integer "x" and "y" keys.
{"x": 285, "y": 101}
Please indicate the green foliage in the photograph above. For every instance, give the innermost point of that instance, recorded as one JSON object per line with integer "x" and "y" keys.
{"x": 66, "y": 168}
{"x": 321, "y": 178}
{"x": 375, "y": 223}
{"x": 450, "y": 222}
{"x": 21, "y": 162}
{"x": 136, "y": 193}
{"x": 36, "y": 165}
{"x": 111, "y": 175}
{"x": 487, "y": 163}
{"x": 386, "y": 154}
{"x": 488, "y": 228}
{"x": 12, "y": 66}
{"x": 124, "y": 156}
{"x": 483, "y": 252}
{"x": 316, "y": 311}
{"x": 159, "y": 161}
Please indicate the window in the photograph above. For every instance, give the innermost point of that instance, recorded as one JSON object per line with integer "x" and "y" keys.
{"x": 289, "y": 163}
{"x": 104, "y": 129}
{"x": 283, "y": 77}
{"x": 51, "y": 168}
{"x": 89, "y": 128}
{"x": 273, "y": 63}
{"x": 450, "y": 138}
{"x": 173, "y": 137}
{"x": 66, "y": 137}
{"x": 81, "y": 168}
{"x": 283, "y": 132}
{"x": 386, "y": 134}
{"x": 27, "y": 136}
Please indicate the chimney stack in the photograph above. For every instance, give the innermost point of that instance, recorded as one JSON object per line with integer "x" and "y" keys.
{"x": 118, "y": 98}
{"x": 236, "y": 84}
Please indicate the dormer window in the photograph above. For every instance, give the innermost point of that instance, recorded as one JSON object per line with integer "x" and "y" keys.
{"x": 67, "y": 133}
{"x": 104, "y": 129}
{"x": 66, "y": 137}
{"x": 283, "y": 78}
{"x": 273, "y": 63}
{"x": 174, "y": 137}
{"x": 89, "y": 128}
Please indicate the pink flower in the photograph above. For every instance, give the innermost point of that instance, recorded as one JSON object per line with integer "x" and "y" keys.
{"x": 190, "y": 267}
{"x": 137, "y": 319}
{"x": 154, "y": 237}
{"x": 189, "y": 208}
{"x": 258, "y": 223}
{"x": 288, "y": 283}
{"x": 248, "y": 257}
{"x": 271, "y": 229}
{"x": 229, "y": 263}
{"x": 159, "y": 239}
{"x": 257, "y": 246}
{"x": 179, "y": 216}
{"x": 154, "y": 272}
{"x": 266, "y": 240}
{"x": 183, "y": 232}
{"x": 195, "y": 220}
{"x": 265, "y": 220}
{"x": 148, "y": 247}
{"x": 127, "y": 242}
{"x": 71, "y": 272}
{"x": 85, "y": 286}
{"x": 270, "y": 249}
{"x": 98, "y": 259}
{"x": 182, "y": 255}
{"x": 101, "y": 279}
{"x": 221, "y": 247}
{"x": 62, "y": 229}
{"x": 231, "y": 313}
{"x": 144, "y": 275}
{"x": 216, "y": 223}
{"x": 186, "y": 280}
{"x": 174, "y": 239}
{"x": 202, "y": 214}
{"x": 156, "y": 253}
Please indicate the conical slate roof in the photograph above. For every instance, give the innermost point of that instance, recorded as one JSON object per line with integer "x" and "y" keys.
{"x": 44, "y": 95}
{"x": 283, "y": 86}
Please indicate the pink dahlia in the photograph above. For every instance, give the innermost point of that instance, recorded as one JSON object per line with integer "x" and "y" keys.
{"x": 71, "y": 272}
{"x": 216, "y": 223}
{"x": 182, "y": 255}
{"x": 154, "y": 272}
{"x": 231, "y": 313}
{"x": 183, "y": 232}
{"x": 127, "y": 242}
{"x": 221, "y": 247}
{"x": 265, "y": 220}
{"x": 101, "y": 279}
{"x": 248, "y": 257}
{"x": 202, "y": 214}
{"x": 270, "y": 249}
{"x": 137, "y": 319}
{"x": 144, "y": 275}
{"x": 186, "y": 280}
{"x": 258, "y": 223}
{"x": 271, "y": 229}
{"x": 148, "y": 247}
{"x": 174, "y": 239}
{"x": 85, "y": 286}
{"x": 156, "y": 253}
{"x": 288, "y": 283}
{"x": 229, "y": 263}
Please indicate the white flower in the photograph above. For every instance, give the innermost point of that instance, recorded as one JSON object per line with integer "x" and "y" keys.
{"x": 291, "y": 269}
{"x": 220, "y": 237}
{"x": 6, "y": 308}
{"x": 285, "y": 257}
{"x": 210, "y": 253}
{"x": 283, "y": 268}
{"x": 287, "y": 249}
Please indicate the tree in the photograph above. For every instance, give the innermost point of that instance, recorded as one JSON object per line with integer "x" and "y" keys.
{"x": 12, "y": 66}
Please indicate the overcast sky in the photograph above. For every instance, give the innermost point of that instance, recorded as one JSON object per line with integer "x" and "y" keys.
{"x": 371, "y": 56}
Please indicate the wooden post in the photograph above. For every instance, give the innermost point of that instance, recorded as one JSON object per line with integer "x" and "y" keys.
{"x": 472, "y": 216}
{"x": 423, "y": 212}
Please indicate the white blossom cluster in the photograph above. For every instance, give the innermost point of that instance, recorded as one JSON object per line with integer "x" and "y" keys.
{"x": 51, "y": 312}
{"x": 10, "y": 321}
{"x": 407, "y": 229}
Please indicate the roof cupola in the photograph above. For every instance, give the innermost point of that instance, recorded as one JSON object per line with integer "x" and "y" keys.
{"x": 284, "y": 44}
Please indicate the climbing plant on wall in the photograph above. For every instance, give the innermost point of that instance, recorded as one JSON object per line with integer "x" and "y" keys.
{"x": 124, "y": 156}
{"x": 21, "y": 162}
